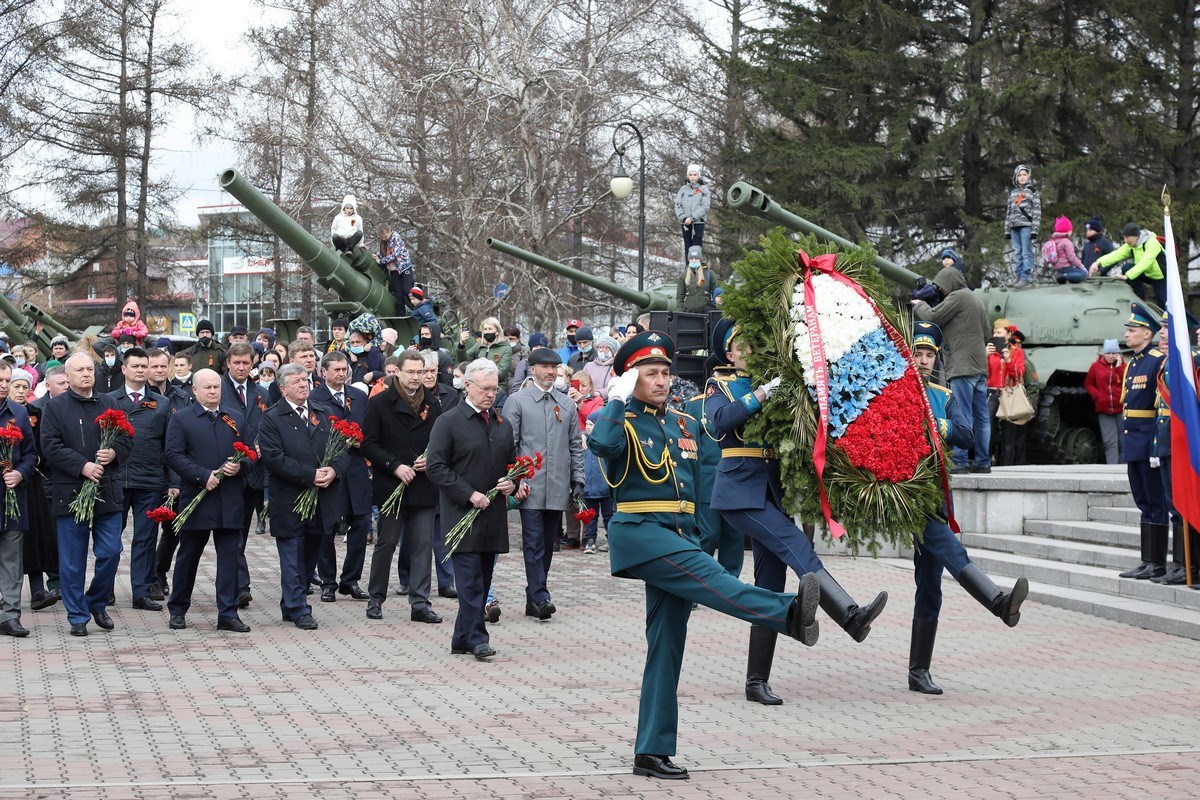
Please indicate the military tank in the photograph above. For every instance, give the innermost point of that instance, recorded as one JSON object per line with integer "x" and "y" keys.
{"x": 360, "y": 282}
{"x": 1064, "y": 326}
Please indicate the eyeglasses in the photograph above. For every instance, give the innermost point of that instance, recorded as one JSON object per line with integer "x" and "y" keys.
{"x": 485, "y": 389}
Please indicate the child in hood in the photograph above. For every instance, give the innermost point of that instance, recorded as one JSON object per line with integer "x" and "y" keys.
{"x": 1021, "y": 219}
{"x": 130, "y": 324}
{"x": 691, "y": 208}
{"x": 1066, "y": 264}
{"x": 346, "y": 231}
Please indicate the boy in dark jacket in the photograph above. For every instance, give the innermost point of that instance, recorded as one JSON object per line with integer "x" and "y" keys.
{"x": 1096, "y": 243}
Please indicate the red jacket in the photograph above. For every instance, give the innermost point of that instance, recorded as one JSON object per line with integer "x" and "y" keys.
{"x": 1010, "y": 374}
{"x": 1103, "y": 383}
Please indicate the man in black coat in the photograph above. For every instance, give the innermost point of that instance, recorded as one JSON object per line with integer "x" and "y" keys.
{"x": 395, "y": 438}
{"x": 71, "y": 448}
{"x": 199, "y": 449}
{"x": 177, "y": 396}
{"x": 240, "y": 393}
{"x": 143, "y": 475}
{"x": 303, "y": 353}
{"x": 470, "y": 449}
{"x": 354, "y": 488}
{"x": 292, "y": 438}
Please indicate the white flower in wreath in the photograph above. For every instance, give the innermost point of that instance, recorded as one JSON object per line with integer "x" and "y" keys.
{"x": 844, "y": 316}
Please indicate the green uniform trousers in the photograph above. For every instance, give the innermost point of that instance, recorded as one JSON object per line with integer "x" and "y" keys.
{"x": 720, "y": 539}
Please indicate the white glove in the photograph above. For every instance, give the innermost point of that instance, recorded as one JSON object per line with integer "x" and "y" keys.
{"x": 1155, "y": 462}
{"x": 621, "y": 387}
{"x": 770, "y": 386}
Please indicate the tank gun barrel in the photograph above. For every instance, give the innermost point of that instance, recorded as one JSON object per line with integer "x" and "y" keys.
{"x": 49, "y": 324}
{"x": 757, "y": 203}
{"x": 20, "y": 329}
{"x": 643, "y": 301}
{"x": 364, "y": 292}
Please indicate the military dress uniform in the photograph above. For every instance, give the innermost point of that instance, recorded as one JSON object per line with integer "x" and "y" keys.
{"x": 1139, "y": 398}
{"x": 717, "y": 537}
{"x": 940, "y": 549}
{"x": 749, "y": 494}
{"x": 649, "y": 456}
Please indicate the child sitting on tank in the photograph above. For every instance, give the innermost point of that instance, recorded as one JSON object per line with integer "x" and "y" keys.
{"x": 346, "y": 232}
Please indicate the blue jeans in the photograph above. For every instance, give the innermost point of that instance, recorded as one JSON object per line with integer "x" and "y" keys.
{"x": 1022, "y": 242}
{"x": 971, "y": 393}
{"x": 1071, "y": 275}
{"x": 105, "y": 534}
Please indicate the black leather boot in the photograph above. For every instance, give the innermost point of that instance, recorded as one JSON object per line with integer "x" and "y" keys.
{"x": 1137, "y": 571}
{"x": 802, "y": 621}
{"x": 1158, "y": 552}
{"x": 1175, "y": 574}
{"x": 920, "y": 653}
{"x": 853, "y": 619}
{"x": 1005, "y": 605}
{"x": 758, "y": 666}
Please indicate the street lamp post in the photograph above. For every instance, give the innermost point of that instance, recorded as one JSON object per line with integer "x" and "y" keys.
{"x": 621, "y": 185}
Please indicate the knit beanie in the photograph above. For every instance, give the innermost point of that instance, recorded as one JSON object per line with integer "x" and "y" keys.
{"x": 1095, "y": 224}
{"x": 1131, "y": 229}
{"x": 1062, "y": 225}
{"x": 693, "y": 168}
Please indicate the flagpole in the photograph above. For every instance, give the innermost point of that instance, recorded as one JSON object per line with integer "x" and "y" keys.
{"x": 1187, "y": 553}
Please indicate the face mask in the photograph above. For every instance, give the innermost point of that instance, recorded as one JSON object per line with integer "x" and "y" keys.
{"x": 110, "y": 361}
{"x": 205, "y": 338}
{"x": 265, "y": 384}
{"x": 20, "y": 361}
{"x": 358, "y": 350}
{"x": 489, "y": 337}
{"x": 571, "y": 338}
{"x": 426, "y": 341}
{"x": 694, "y": 264}
{"x": 585, "y": 348}
{"x": 458, "y": 383}
{"x": 560, "y": 383}
{"x": 604, "y": 356}
{"x": 514, "y": 343}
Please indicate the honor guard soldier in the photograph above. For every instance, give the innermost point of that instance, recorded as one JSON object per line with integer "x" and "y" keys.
{"x": 649, "y": 456}
{"x": 939, "y": 547}
{"x": 748, "y": 491}
{"x": 1139, "y": 399}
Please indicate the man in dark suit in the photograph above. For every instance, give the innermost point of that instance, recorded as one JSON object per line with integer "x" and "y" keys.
{"x": 470, "y": 449}
{"x": 292, "y": 438}
{"x": 300, "y": 352}
{"x": 354, "y": 488}
{"x": 199, "y": 447}
{"x": 396, "y": 436}
{"x": 245, "y": 396}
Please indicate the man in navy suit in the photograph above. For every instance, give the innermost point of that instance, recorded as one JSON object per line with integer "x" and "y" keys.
{"x": 292, "y": 437}
{"x": 354, "y": 488}
{"x": 199, "y": 449}
{"x": 240, "y": 393}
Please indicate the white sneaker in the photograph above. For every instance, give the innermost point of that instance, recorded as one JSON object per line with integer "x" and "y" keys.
{"x": 589, "y": 548}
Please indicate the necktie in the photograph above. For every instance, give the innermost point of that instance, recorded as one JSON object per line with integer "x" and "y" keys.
{"x": 242, "y": 394}
{"x": 136, "y": 397}
{"x": 303, "y": 416}
{"x": 337, "y": 398}
{"x": 486, "y": 418}
{"x": 212, "y": 415}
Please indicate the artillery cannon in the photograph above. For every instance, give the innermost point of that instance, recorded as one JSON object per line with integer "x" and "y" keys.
{"x": 361, "y": 283}
{"x": 1064, "y": 326}
{"x": 22, "y": 327}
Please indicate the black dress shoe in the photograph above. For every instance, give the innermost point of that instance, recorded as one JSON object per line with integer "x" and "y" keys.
{"x": 355, "y": 592}
{"x": 104, "y": 620}
{"x": 156, "y": 591}
{"x": 450, "y": 593}
{"x": 328, "y": 596}
{"x": 759, "y": 691}
{"x": 1136, "y": 572}
{"x": 658, "y": 767}
{"x": 177, "y": 622}
{"x": 12, "y": 627}
{"x": 424, "y": 615}
{"x": 482, "y": 652}
{"x": 1155, "y": 571}
{"x": 542, "y": 611}
{"x": 42, "y": 599}
{"x": 306, "y": 623}
{"x": 79, "y": 629}
{"x": 245, "y": 599}
{"x": 146, "y": 604}
{"x": 232, "y": 624}
{"x": 374, "y": 611}
{"x": 308, "y": 591}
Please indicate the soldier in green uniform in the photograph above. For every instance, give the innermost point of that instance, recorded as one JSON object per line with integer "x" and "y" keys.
{"x": 650, "y": 460}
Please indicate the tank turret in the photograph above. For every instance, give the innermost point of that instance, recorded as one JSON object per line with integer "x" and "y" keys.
{"x": 1064, "y": 326}
{"x": 644, "y": 302}
{"x": 361, "y": 283}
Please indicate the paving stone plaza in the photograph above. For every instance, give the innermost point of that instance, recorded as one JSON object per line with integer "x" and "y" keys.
{"x": 1063, "y": 706}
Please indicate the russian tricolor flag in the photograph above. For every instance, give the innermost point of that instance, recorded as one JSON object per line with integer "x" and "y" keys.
{"x": 1185, "y": 404}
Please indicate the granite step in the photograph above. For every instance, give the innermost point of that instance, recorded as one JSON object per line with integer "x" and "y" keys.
{"x": 1118, "y": 514}
{"x": 1055, "y": 550}
{"x": 1108, "y": 534}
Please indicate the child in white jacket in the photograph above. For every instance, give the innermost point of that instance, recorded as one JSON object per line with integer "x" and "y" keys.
{"x": 347, "y": 228}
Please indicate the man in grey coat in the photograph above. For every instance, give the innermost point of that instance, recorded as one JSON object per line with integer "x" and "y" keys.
{"x": 545, "y": 420}
{"x": 965, "y": 328}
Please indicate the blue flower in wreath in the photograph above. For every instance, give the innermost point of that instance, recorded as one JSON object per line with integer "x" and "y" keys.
{"x": 859, "y": 376}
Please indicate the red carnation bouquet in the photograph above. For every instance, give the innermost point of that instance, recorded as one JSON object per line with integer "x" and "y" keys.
{"x": 10, "y": 438}
{"x": 584, "y": 514}
{"x": 241, "y": 452}
{"x": 391, "y": 506}
{"x": 345, "y": 433}
{"x": 524, "y": 467}
{"x": 164, "y": 513}
{"x": 113, "y": 425}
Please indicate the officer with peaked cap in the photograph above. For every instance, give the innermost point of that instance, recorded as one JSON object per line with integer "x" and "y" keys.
{"x": 939, "y": 548}
{"x": 649, "y": 455}
{"x": 1139, "y": 400}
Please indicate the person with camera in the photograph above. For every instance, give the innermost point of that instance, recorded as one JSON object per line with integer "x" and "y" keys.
{"x": 1006, "y": 370}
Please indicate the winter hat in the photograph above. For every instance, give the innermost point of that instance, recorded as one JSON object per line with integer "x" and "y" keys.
{"x": 609, "y": 342}
{"x": 1110, "y": 346}
{"x": 19, "y": 374}
{"x": 60, "y": 340}
{"x": 538, "y": 340}
{"x": 416, "y": 292}
{"x": 949, "y": 253}
{"x": 1095, "y": 224}
{"x": 205, "y": 325}
{"x": 1062, "y": 225}
{"x": 163, "y": 342}
{"x": 584, "y": 334}
{"x": 695, "y": 251}
{"x": 238, "y": 330}
{"x": 1131, "y": 229}
{"x": 694, "y": 168}
{"x": 389, "y": 335}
